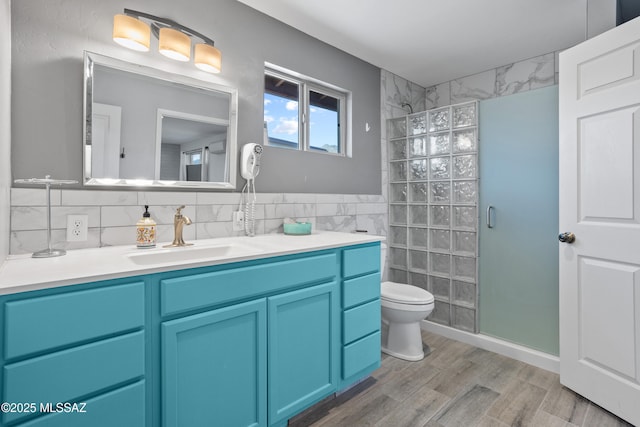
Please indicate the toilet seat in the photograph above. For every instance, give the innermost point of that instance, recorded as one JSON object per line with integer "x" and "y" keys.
{"x": 408, "y": 308}
{"x": 405, "y": 294}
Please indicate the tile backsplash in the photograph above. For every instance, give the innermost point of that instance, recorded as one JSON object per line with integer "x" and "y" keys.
{"x": 113, "y": 215}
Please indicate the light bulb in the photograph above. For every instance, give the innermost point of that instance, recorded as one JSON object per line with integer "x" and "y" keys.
{"x": 131, "y": 33}
{"x": 174, "y": 44}
{"x": 207, "y": 58}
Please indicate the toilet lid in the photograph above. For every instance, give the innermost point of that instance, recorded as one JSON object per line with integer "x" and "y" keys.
{"x": 405, "y": 294}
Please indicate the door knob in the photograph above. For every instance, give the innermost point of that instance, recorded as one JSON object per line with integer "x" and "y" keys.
{"x": 567, "y": 237}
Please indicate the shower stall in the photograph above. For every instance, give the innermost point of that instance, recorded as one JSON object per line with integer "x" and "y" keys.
{"x": 433, "y": 209}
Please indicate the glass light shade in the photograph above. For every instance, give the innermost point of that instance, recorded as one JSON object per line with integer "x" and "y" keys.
{"x": 208, "y": 58}
{"x": 174, "y": 44}
{"x": 131, "y": 33}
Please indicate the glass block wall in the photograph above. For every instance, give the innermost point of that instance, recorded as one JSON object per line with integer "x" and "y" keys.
{"x": 433, "y": 209}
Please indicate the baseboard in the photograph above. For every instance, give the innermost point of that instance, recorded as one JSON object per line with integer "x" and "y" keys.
{"x": 524, "y": 354}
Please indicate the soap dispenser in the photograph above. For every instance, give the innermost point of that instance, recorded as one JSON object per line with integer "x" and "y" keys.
{"x": 146, "y": 230}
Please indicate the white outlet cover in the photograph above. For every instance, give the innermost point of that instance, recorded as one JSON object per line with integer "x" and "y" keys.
{"x": 238, "y": 221}
{"x": 77, "y": 228}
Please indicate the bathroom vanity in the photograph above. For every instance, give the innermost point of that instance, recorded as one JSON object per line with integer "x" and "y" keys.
{"x": 238, "y": 332}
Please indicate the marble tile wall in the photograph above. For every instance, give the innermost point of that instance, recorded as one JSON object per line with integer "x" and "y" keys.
{"x": 113, "y": 214}
{"x": 532, "y": 73}
{"x": 394, "y": 92}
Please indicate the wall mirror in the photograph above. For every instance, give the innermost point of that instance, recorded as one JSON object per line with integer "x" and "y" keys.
{"x": 147, "y": 127}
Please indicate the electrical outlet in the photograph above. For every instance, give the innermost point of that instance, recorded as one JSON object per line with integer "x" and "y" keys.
{"x": 77, "y": 228}
{"x": 238, "y": 221}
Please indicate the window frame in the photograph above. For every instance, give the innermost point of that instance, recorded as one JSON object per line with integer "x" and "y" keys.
{"x": 305, "y": 86}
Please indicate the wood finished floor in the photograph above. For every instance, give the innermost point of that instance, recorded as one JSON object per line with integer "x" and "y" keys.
{"x": 457, "y": 385}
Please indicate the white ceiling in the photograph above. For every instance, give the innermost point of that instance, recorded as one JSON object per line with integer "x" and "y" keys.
{"x": 433, "y": 41}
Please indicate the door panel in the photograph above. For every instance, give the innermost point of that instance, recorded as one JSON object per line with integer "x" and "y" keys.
{"x": 600, "y": 204}
{"x": 303, "y": 348}
{"x": 607, "y": 139}
{"x": 606, "y": 71}
{"x": 599, "y": 344}
{"x": 214, "y": 367}
{"x": 518, "y": 261}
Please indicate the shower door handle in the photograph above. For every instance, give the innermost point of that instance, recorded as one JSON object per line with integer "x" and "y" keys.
{"x": 489, "y": 222}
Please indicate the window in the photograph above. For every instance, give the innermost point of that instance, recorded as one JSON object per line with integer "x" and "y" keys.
{"x": 301, "y": 113}
{"x": 195, "y": 157}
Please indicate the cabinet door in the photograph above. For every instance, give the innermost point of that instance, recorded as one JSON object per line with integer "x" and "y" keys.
{"x": 214, "y": 367}
{"x": 304, "y": 339}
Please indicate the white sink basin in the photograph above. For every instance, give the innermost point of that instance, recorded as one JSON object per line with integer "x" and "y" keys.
{"x": 191, "y": 253}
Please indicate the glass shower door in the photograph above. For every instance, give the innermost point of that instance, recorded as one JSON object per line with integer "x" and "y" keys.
{"x": 519, "y": 254}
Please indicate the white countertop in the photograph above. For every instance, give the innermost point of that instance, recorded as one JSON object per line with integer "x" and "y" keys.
{"x": 21, "y": 273}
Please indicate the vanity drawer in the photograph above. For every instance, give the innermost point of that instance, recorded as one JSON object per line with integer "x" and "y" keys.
{"x": 360, "y": 321}
{"x": 358, "y": 261}
{"x": 43, "y": 323}
{"x": 70, "y": 374}
{"x": 101, "y": 412}
{"x": 202, "y": 290}
{"x": 360, "y": 355}
{"x": 360, "y": 289}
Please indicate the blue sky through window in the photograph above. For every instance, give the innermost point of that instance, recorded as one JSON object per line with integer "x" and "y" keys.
{"x": 281, "y": 116}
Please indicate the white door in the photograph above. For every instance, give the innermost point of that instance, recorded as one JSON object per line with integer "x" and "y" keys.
{"x": 105, "y": 141}
{"x": 600, "y": 204}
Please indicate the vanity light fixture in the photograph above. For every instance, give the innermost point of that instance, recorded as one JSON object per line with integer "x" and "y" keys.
{"x": 174, "y": 40}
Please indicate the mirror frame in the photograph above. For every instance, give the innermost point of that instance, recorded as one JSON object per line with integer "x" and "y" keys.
{"x": 91, "y": 59}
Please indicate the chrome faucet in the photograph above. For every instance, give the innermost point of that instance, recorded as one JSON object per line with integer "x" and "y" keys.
{"x": 179, "y": 221}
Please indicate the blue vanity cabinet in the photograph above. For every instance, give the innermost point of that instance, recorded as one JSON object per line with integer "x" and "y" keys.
{"x": 303, "y": 349}
{"x": 251, "y": 343}
{"x": 214, "y": 367}
{"x": 79, "y": 346}
{"x": 361, "y": 312}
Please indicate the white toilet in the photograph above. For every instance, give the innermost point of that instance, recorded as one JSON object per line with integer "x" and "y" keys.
{"x": 403, "y": 307}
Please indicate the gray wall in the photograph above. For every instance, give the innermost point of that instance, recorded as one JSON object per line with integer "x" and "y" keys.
{"x": 5, "y": 128}
{"x": 49, "y": 37}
